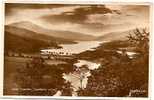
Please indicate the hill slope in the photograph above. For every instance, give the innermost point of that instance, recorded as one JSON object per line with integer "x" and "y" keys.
{"x": 55, "y": 33}
{"x": 114, "y": 36}
{"x": 122, "y": 35}
{"x": 33, "y": 35}
{"x": 23, "y": 44}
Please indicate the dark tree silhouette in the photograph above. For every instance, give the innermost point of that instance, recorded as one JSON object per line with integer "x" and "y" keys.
{"x": 140, "y": 38}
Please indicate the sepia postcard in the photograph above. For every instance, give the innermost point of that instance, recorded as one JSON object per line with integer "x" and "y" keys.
{"x": 77, "y": 50}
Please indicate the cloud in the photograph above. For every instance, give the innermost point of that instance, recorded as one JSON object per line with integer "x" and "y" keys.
{"x": 87, "y": 19}
{"x": 10, "y": 6}
{"x": 129, "y": 17}
{"x": 78, "y": 15}
{"x": 29, "y": 14}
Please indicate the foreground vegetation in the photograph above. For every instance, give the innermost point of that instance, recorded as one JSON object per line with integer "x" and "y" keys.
{"x": 35, "y": 77}
{"x": 120, "y": 75}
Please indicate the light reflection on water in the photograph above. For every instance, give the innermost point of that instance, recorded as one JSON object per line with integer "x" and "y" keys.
{"x": 130, "y": 54}
{"x": 75, "y": 77}
{"x": 74, "y": 48}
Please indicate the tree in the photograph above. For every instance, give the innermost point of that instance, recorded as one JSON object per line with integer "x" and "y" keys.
{"x": 118, "y": 78}
{"x": 139, "y": 67}
{"x": 141, "y": 40}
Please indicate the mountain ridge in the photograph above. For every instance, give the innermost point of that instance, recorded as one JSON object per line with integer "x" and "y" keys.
{"x": 55, "y": 33}
{"x": 30, "y": 34}
{"x": 120, "y": 35}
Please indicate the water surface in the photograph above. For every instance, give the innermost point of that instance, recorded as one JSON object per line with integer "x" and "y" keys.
{"x": 68, "y": 49}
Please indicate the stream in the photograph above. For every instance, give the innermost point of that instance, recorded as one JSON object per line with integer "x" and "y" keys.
{"x": 82, "y": 67}
{"x": 79, "y": 78}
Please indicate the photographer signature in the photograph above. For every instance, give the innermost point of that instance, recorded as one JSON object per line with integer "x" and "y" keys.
{"x": 136, "y": 91}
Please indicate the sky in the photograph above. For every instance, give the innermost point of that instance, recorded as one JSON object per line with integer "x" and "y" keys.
{"x": 96, "y": 20}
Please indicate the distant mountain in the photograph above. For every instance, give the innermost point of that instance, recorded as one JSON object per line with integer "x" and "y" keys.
{"x": 33, "y": 35}
{"x": 23, "y": 44}
{"x": 23, "y": 40}
{"x": 115, "y": 36}
{"x": 55, "y": 33}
